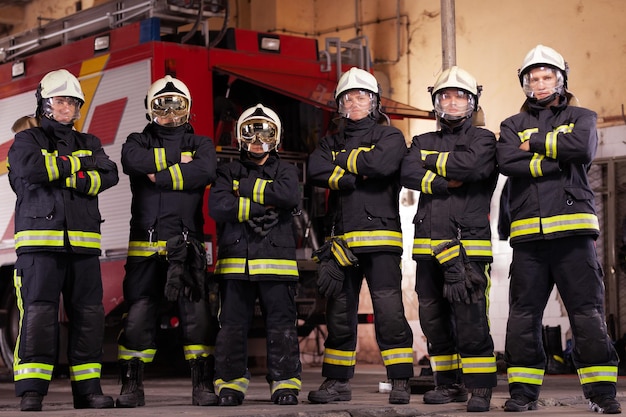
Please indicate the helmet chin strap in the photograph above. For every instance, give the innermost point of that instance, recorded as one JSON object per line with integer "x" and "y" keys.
{"x": 545, "y": 101}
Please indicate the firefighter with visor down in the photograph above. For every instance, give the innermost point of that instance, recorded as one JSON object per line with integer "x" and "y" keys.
{"x": 360, "y": 165}
{"x": 546, "y": 150}
{"x": 252, "y": 202}
{"x": 57, "y": 174}
{"x": 454, "y": 169}
{"x": 169, "y": 168}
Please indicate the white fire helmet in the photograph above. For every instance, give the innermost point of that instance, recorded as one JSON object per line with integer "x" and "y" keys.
{"x": 543, "y": 56}
{"x": 259, "y": 123}
{"x": 59, "y": 83}
{"x": 455, "y": 78}
{"x": 168, "y": 102}
{"x": 356, "y": 79}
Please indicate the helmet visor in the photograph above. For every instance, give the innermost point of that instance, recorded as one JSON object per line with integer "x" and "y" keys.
{"x": 454, "y": 104}
{"x": 356, "y": 104}
{"x": 63, "y": 109}
{"x": 541, "y": 82}
{"x": 165, "y": 106}
{"x": 262, "y": 130}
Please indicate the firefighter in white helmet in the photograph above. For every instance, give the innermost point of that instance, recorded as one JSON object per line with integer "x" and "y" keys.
{"x": 360, "y": 166}
{"x": 57, "y": 174}
{"x": 454, "y": 169}
{"x": 169, "y": 168}
{"x": 546, "y": 151}
{"x": 252, "y": 202}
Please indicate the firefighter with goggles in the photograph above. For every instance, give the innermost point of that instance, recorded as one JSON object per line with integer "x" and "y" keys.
{"x": 169, "y": 168}
{"x": 546, "y": 151}
{"x": 57, "y": 174}
{"x": 252, "y": 202}
{"x": 454, "y": 169}
{"x": 359, "y": 165}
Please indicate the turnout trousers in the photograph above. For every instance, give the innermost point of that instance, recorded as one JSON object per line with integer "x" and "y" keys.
{"x": 144, "y": 287}
{"x": 278, "y": 307}
{"x": 458, "y": 335}
{"x": 570, "y": 263}
{"x": 40, "y": 278}
{"x": 393, "y": 333}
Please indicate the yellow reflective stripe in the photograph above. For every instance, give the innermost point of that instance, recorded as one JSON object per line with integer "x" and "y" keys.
{"x": 291, "y": 383}
{"x": 524, "y": 135}
{"x": 339, "y": 357}
{"x": 32, "y": 370}
{"x": 333, "y": 181}
{"x": 373, "y": 238}
{"x": 74, "y": 163}
{"x": 243, "y": 211}
{"x": 70, "y": 182}
{"x": 273, "y": 266}
{"x": 535, "y": 165}
{"x": 50, "y": 161}
{"x": 473, "y": 247}
{"x": 352, "y": 159}
{"x": 19, "y": 302}
{"x": 427, "y": 182}
{"x": 197, "y": 351}
{"x": 442, "y": 160}
{"x": 339, "y": 254}
{"x": 125, "y": 354}
{"x": 485, "y": 365}
{"x": 566, "y": 222}
{"x": 53, "y": 238}
{"x": 188, "y": 153}
{"x": 85, "y": 371}
{"x": 143, "y": 248}
{"x": 82, "y": 152}
{"x": 94, "y": 183}
{"x": 239, "y": 384}
{"x": 259, "y": 189}
{"x": 230, "y": 266}
{"x": 397, "y": 356}
{"x": 551, "y": 145}
{"x": 525, "y": 227}
{"x": 531, "y": 376}
{"x": 448, "y": 254}
{"x": 84, "y": 239}
{"x": 177, "y": 177}
{"x": 424, "y": 153}
{"x": 593, "y": 374}
{"x": 160, "y": 161}
{"x": 235, "y": 185}
{"x": 440, "y": 363}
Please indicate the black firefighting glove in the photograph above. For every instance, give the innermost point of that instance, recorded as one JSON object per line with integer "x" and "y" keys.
{"x": 90, "y": 163}
{"x": 451, "y": 256}
{"x": 342, "y": 253}
{"x": 330, "y": 277}
{"x": 323, "y": 253}
{"x": 196, "y": 277}
{"x": 263, "y": 224}
{"x": 177, "y": 256}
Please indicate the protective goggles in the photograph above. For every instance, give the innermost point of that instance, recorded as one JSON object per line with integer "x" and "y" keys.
{"x": 164, "y": 106}
{"x": 261, "y": 130}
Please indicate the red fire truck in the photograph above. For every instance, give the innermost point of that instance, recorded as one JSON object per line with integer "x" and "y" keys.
{"x": 117, "y": 50}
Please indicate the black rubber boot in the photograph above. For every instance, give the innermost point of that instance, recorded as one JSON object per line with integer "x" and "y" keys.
{"x": 31, "y": 401}
{"x": 400, "y": 391}
{"x": 93, "y": 401}
{"x": 131, "y": 394}
{"x": 480, "y": 401}
{"x": 332, "y": 390}
{"x": 202, "y": 381}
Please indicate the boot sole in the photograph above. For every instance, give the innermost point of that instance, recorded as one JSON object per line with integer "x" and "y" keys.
{"x": 328, "y": 399}
{"x": 527, "y": 407}
{"x": 459, "y": 399}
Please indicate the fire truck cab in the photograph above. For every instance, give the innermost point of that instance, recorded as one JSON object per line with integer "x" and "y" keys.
{"x": 117, "y": 50}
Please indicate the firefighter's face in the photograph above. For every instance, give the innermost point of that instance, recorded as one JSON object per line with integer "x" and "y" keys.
{"x": 64, "y": 110}
{"x": 542, "y": 81}
{"x": 356, "y": 104}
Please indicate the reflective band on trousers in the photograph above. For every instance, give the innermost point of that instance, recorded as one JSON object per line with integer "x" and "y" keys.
{"x": 486, "y": 365}
{"x": 339, "y": 357}
{"x": 593, "y": 374}
{"x": 197, "y": 351}
{"x": 441, "y": 363}
{"x": 531, "y": 376}
{"x": 85, "y": 371}
{"x": 292, "y": 383}
{"x": 32, "y": 370}
{"x": 239, "y": 384}
{"x": 397, "y": 356}
{"x": 125, "y": 354}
